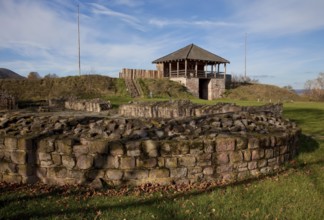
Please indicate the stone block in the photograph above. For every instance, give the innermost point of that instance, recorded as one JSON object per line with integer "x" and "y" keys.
{"x": 208, "y": 170}
{"x": 180, "y": 148}
{"x": 8, "y": 167}
{"x": 283, "y": 149}
{"x": 68, "y": 162}
{"x": 241, "y": 143}
{"x": 225, "y": 144}
{"x": 116, "y": 148}
{"x": 136, "y": 174}
{"x": 11, "y": 143}
{"x": 114, "y": 174}
{"x": 57, "y": 159}
{"x": 222, "y": 158}
{"x": 64, "y": 146}
{"x": 26, "y": 170}
{"x": 255, "y": 155}
{"x": 246, "y": 155}
{"x": 209, "y": 146}
{"x": 255, "y": 172}
{"x": 273, "y": 141}
{"x": 272, "y": 161}
{"x": 98, "y": 146}
{"x": 253, "y": 143}
{"x": 187, "y": 161}
{"x": 224, "y": 168}
{"x": 236, "y": 157}
{"x": 178, "y": 172}
{"x": 146, "y": 163}
{"x": 47, "y": 163}
{"x": 195, "y": 170}
{"x": 204, "y": 159}
{"x": 133, "y": 149}
{"x": 171, "y": 162}
{"x": 12, "y": 178}
{"x": 266, "y": 170}
{"x": 243, "y": 175}
{"x": 262, "y": 163}
{"x": 268, "y": 153}
{"x": 127, "y": 163}
{"x": 44, "y": 156}
{"x": 252, "y": 165}
{"x": 19, "y": 157}
{"x": 80, "y": 149}
{"x": 151, "y": 148}
{"x": 60, "y": 172}
{"x": 196, "y": 147}
{"x": 161, "y": 161}
{"x": 84, "y": 162}
{"x": 165, "y": 149}
{"x": 46, "y": 145}
{"x": 159, "y": 173}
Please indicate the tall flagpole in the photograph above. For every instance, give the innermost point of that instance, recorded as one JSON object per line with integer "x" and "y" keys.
{"x": 79, "y": 40}
{"x": 245, "y": 59}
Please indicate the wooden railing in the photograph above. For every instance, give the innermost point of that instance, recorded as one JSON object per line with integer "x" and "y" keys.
{"x": 200, "y": 74}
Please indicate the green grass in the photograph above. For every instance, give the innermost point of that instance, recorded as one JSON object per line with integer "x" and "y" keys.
{"x": 297, "y": 193}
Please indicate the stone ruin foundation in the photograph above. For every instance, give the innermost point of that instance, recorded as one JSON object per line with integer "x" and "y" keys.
{"x": 7, "y": 101}
{"x": 94, "y": 105}
{"x": 226, "y": 147}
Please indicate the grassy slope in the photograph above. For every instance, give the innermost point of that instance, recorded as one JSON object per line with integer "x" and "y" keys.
{"x": 262, "y": 92}
{"x": 297, "y": 193}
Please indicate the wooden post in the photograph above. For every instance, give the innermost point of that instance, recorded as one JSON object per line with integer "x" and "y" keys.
{"x": 178, "y": 68}
{"x": 196, "y": 68}
{"x": 186, "y": 62}
{"x": 225, "y": 71}
{"x": 170, "y": 66}
{"x": 206, "y": 69}
{"x": 218, "y": 68}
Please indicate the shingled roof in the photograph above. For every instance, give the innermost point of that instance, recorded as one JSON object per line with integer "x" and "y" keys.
{"x": 191, "y": 52}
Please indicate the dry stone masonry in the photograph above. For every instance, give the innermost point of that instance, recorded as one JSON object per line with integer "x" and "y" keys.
{"x": 185, "y": 108}
{"x": 94, "y": 105}
{"x": 227, "y": 147}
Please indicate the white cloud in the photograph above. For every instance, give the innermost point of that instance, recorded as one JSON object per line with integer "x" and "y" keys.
{"x": 161, "y": 23}
{"x": 131, "y": 20}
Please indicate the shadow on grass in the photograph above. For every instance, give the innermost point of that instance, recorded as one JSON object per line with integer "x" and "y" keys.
{"x": 308, "y": 144}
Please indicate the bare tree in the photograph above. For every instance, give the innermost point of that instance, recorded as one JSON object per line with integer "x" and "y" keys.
{"x": 314, "y": 89}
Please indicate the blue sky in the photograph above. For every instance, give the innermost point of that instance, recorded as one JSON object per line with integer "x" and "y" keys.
{"x": 285, "y": 39}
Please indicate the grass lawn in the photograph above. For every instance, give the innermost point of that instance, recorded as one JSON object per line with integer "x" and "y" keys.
{"x": 297, "y": 193}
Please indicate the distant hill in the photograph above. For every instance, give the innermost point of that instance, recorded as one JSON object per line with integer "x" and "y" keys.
{"x": 8, "y": 74}
{"x": 262, "y": 92}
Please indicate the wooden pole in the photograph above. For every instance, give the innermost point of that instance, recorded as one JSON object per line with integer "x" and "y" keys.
{"x": 79, "y": 40}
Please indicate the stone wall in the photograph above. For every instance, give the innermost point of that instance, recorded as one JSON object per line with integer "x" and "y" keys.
{"x": 224, "y": 147}
{"x": 7, "y": 101}
{"x": 184, "y": 108}
{"x": 68, "y": 161}
{"x": 94, "y": 105}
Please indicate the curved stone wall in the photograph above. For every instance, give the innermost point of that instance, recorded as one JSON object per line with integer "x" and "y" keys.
{"x": 222, "y": 147}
